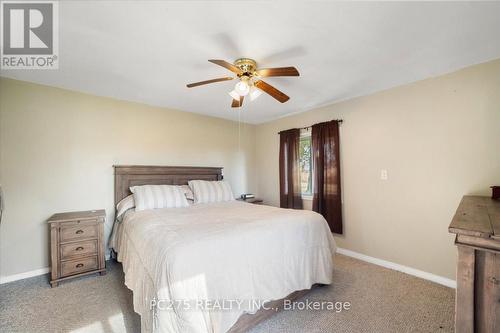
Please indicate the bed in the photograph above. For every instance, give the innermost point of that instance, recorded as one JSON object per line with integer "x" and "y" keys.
{"x": 215, "y": 267}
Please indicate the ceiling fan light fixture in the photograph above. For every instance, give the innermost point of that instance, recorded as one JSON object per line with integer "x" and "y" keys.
{"x": 249, "y": 80}
{"x": 234, "y": 95}
{"x": 242, "y": 88}
{"x": 255, "y": 93}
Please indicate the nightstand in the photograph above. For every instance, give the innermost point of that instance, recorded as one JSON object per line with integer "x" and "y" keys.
{"x": 255, "y": 201}
{"x": 76, "y": 244}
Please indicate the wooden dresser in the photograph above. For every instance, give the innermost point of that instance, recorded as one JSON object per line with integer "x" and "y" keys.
{"x": 77, "y": 244}
{"x": 477, "y": 227}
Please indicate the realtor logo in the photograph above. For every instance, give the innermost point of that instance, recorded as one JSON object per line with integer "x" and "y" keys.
{"x": 29, "y": 35}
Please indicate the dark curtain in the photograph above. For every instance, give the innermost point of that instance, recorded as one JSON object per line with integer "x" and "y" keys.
{"x": 290, "y": 196}
{"x": 326, "y": 173}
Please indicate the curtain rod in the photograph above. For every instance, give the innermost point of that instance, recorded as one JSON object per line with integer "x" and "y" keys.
{"x": 308, "y": 127}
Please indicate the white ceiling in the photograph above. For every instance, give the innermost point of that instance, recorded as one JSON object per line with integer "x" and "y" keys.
{"x": 148, "y": 51}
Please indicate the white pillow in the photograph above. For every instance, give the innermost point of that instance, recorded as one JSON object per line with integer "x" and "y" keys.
{"x": 124, "y": 205}
{"x": 158, "y": 196}
{"x": 211, "y": 191}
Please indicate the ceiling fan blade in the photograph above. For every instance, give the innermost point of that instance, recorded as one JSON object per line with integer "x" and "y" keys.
{"x": 269, "y": 89}
{"x": 196, "y": 84}
{"x": 227, "y": 65}
{"x": 278, "y": 71}
{"x": 236, "y": 103}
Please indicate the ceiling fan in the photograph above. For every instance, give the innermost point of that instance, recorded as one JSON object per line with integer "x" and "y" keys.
{"x": 250, "y": 82}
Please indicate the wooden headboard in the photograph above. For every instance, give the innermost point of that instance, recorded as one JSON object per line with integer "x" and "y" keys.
{"x": 134, "y": 175}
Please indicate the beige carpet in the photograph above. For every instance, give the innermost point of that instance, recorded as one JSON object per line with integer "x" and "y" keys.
{"x": 381, "y": 300}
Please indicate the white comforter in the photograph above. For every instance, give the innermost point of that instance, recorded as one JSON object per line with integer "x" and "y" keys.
{"x": 221, "y": 251}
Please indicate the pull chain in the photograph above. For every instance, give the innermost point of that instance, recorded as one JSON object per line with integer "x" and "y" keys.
{"x": 239, "y": 129}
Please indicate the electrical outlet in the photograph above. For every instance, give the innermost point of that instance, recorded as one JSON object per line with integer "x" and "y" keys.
{"x": 383, "y": 174}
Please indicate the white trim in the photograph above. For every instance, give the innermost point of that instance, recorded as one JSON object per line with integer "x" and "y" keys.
{"x": 405, "y": 269}
{"x": 25, "y": 275}
{"x": 380, "y": 262}
{"x": 36, "y": 272}
{"x": 305, "y": 132}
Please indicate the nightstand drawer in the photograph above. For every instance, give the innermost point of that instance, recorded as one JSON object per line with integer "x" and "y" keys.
{"x": 72, "y": 267}
{"x": 78, "y": 249}
{"x": 75, "y": 232}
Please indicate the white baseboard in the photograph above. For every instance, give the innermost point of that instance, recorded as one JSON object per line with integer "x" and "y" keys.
{"x": 25, "y": 275}
{"x": 380, "y": 262}
{"x": 405, "y": 269}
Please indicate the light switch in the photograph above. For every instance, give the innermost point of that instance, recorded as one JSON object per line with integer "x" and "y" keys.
{"x": 383, "y": 174}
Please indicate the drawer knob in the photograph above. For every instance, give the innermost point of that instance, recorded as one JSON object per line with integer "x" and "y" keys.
{"x": 79, "y": 265}
{"x": 79, "y": 248}
{"x": 79, "y": 232}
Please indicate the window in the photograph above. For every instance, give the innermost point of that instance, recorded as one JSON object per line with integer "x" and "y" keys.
{"x": 305, "y": 165}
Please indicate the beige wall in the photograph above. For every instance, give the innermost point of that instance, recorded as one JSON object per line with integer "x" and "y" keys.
{"x": 57, "y": 149}
{"x": 438, "y": 139}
